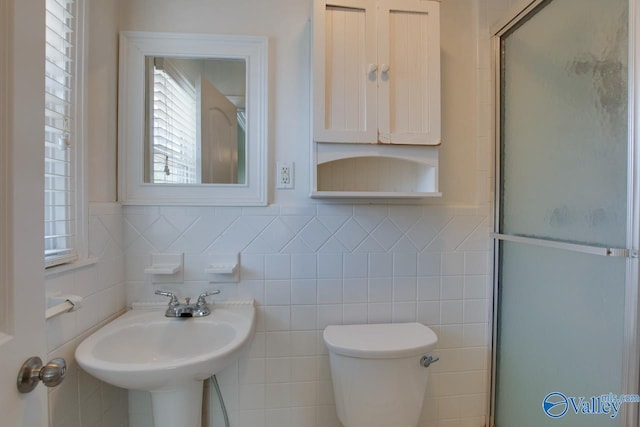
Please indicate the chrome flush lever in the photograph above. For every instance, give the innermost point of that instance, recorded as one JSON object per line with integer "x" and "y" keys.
{"x": 428, "y": 359}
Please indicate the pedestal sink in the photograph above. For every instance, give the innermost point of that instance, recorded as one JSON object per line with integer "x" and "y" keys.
{"x": 170, "y": 357}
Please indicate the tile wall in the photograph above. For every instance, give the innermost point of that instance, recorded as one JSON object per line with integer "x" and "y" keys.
{"x": 81, "y": 400}
{"x": 312, "y": 265}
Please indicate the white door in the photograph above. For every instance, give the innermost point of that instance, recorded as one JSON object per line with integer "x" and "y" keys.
{"x": 409, "y": 78}
{"x": 218, "y": 137}
{"x": 22, "y": 301}
{"x": 345, "y": 70}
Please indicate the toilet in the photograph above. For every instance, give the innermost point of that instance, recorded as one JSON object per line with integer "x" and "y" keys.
{"x": 379, "y": 372}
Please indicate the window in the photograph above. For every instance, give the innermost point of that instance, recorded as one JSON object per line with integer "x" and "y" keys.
{"x": 175, "y": 152}
{"x": 63, "y": 133}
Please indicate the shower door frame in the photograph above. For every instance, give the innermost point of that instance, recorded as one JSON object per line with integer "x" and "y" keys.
{"x": 631, "y": 352}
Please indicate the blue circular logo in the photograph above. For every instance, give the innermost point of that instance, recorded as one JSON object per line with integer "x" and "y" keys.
{"x": 555, "y": 404}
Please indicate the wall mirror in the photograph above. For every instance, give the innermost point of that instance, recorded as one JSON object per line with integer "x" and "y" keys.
{"x": 193, "y": 119}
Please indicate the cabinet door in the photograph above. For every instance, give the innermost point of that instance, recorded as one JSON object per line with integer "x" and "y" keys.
{"x": 409, "y": 80}
{"x": 344, "y": 71}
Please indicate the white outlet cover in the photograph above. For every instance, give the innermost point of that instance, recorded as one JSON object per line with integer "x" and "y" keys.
{"x": 281, "y": 181}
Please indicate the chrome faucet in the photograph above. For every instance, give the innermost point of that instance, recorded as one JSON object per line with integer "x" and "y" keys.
{"x": 186, "y": 309}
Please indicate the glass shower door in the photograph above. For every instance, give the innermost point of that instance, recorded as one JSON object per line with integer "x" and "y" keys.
{"x": 563, "y": 225}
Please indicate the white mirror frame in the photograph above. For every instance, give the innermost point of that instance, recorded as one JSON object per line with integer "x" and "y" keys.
{"x": 134, "y": 47}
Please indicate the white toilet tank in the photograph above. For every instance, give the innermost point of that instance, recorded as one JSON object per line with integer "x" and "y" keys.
{"x": 378, "y": 377}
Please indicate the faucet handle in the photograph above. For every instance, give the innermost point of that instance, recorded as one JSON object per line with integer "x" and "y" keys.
{"x": 202, "y": 298}
{"x": 174, "y": 298}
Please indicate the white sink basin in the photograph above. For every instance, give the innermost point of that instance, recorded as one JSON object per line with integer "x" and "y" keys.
{"x": 170, "y": 357}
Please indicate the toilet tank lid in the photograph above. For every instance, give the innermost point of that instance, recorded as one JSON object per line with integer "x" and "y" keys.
{"x": 380, "y": 341}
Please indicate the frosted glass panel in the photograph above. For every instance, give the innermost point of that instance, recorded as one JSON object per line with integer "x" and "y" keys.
{"x": 561, "y": 329}
{"x": 564, "y": 131}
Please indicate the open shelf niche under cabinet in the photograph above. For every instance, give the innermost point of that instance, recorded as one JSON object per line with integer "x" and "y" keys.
{"x": 374, "y": 171}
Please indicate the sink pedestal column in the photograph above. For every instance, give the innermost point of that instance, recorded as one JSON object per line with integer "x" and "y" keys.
{"x": 181, "y": 406}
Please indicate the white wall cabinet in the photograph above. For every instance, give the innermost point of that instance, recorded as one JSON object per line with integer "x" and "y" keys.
{"x": 377, "y": 71}
{"x": 376, "y": 80}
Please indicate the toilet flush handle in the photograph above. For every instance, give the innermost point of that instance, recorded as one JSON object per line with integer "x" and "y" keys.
{"x": 427, "y": 360}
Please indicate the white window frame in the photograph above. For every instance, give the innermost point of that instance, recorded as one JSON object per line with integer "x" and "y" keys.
{"x": 78, "y": 155}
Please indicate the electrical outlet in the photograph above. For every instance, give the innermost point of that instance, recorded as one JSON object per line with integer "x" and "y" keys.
{"x": 284, "y": 175}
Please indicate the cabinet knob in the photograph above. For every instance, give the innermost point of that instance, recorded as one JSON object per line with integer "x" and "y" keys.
{"x": 384, "y": 68}
{"x": 371, "y": 68}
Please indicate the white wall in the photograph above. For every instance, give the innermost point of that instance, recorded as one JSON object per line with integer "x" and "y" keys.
{"x": 310, "y": 263}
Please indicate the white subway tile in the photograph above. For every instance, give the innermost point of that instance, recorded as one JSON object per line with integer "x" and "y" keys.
{"x": 277, "y": 292}
{"x": 278, "y": 395}
{"x": 475, "y": 335}
{"x": 476, "y": 263}
{"x": 452, "y": 287}
{"x": 428, "y": 312}
{"x": 280, "y": 417}
{"x": 251, "y": 266}
{"x": 405, "y": 264}
{"x": 253, "y": 289}
{"x": 380, "y": 265}
{"x": 303, "y": 394}
{"x": 250, "y": 418}
{"x": 330, "y": 266}
{"x": 329, "y": 314}
{"x": 303, "y": 416}
{"x": 449, "y": 336}
{"x": 355, "y": 290}
{"x": 476, "y": 287}
{"x": 304, "y": 266}
{"x": 453, "y": 263}
{"x": 450, "y": 312}
{"x": 476, "y": 311}
{"x": 278, "y": 344}
{"x": 355, "y": 313}
{"x": 355, "y": 265}
{"x": 380, "y": 290}
{"x": 405, "y": 289}
{"x": 329, "y": 291}
{"x": 251, "y": 396}
{"x": 303, "y": 343}
{"x": 380, "y": 312}
{"x": 304, "y": 317}
{"x": 277, "y": 318}
{"x": 277, "y": 266}
{"x": 278, "y": 370}
{"x": 303, "y": 291}
{"x": 304, "y": 368}
{"x": 404, "y": 312}
{"x": 251, "y": 371}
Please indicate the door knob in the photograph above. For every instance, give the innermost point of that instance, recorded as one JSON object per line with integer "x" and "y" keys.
{"x": 32, "y": 372}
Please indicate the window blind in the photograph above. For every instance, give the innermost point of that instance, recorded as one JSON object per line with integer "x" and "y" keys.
{"x": 59, "y": 221}
{"x": 175, "y": 153}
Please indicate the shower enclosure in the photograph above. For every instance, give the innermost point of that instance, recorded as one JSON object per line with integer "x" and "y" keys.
{"x": 566, "y": 228}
